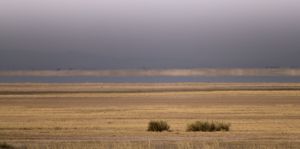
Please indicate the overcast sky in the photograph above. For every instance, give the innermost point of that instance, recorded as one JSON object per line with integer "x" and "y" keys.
{"x": 121, "y": 34}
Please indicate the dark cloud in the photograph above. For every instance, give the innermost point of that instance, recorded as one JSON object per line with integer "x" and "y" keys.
{"x": 111, "y": 34}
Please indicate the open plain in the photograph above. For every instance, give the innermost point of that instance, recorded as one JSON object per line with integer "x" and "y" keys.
{"x": 115, "y": 115}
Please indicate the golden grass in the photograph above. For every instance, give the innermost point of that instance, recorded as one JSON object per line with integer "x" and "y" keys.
{"x": 155, "y": 145}
{"x": 266, "y": 119}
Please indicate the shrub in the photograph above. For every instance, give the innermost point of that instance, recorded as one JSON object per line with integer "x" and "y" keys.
{"x": 4, "y": 145}
{"x": 224, "y": 126}
{"x": 208, "y": 126}
{"x": 158, "y": 126}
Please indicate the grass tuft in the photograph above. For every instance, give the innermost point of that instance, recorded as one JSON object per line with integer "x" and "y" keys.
{"x": 158, "y": 126}
{"x": 208, "y": 126}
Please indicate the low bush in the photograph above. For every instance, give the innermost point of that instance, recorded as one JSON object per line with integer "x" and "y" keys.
{"x": 4, "y": 145}
{"x": 158, "y": 126}
{"x": 208, "y": 126}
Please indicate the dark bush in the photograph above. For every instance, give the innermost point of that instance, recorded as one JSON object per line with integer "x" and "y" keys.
{"x": 4, "y": 145}
{"x": 158, "y": 126}
{"x": 208, "y": 126}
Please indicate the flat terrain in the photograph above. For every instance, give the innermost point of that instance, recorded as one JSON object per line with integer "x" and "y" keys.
{"x": 262, "y": 115}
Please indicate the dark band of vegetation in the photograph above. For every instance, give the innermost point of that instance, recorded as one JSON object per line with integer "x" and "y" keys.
{"x": 200, "y": 72}
{"x": 146, "y": 91}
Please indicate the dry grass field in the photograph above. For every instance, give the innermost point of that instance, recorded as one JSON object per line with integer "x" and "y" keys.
{"x": 85, "y": 115}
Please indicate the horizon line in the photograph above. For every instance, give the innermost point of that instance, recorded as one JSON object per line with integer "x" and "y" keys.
{"x": 194, "y": 72}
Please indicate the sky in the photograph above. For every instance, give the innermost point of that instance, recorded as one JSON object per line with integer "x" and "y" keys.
{"x": 154, "y": 34}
